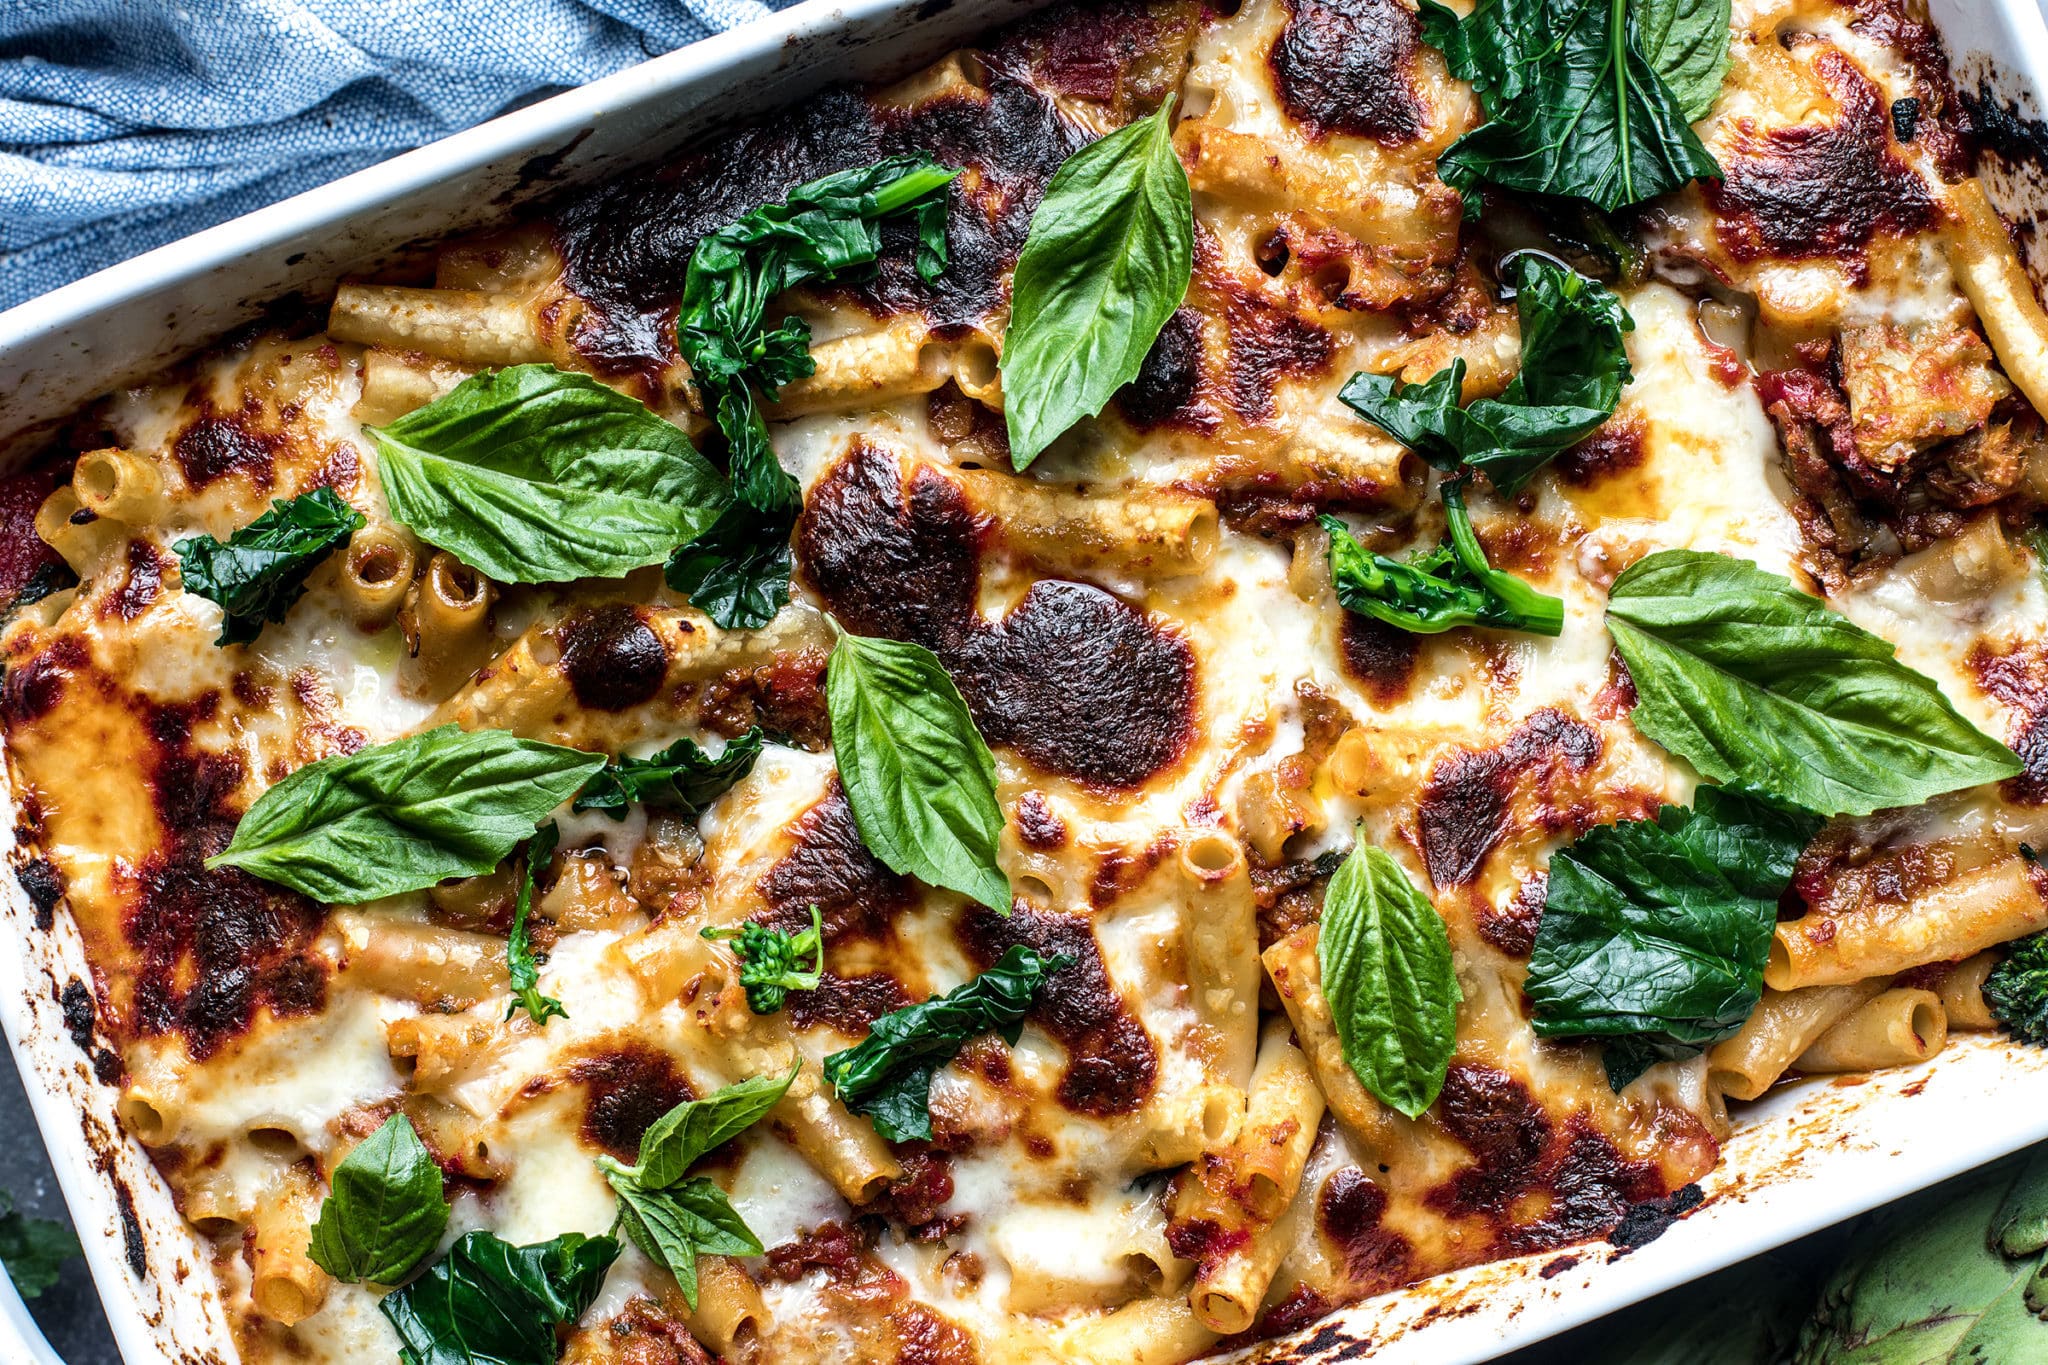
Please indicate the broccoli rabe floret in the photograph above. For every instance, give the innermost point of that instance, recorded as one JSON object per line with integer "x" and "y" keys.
{"x": 2017, "y": 989}
{"x": 769, "y": 957}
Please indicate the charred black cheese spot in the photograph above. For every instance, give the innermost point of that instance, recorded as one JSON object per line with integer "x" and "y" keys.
{"x": 1348, "y": 66}
{"x": 613, "y": 659}
{"x": 828, "y": 866}
{"x": 625, "y": 1090}
{"x": 1466, "y": 804}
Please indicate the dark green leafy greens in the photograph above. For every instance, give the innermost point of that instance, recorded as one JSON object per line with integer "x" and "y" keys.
{"x": 1758, "y": 684}
{"x": 1450, "y": 586}
{"x": 488, "y": 1302}
{"x": 261, "y": 570}
{"x": 520, "y": 967}
{"x": 384, "y": 1212}
{"x": 2017, "y": 990}
{"x": 1106, "y": 262}
{"x": 920, "y": 781}
{"x": 770, "y": 960}
{"x": 737, "y": 571}
{"x": 535, "y": 475}
{"x": 401, "y": 816}
{"x": 1655, "y": 932}
{"x": 1389, "y": 980}
{"x": 888, "y": 1074}
{"x": 681, "y": 778}
{"x": 1574, "y": 366}
{"x": 1587, "y": 98}
{"x": 33, "y": 1249}
{"x": 673, "y": 1216}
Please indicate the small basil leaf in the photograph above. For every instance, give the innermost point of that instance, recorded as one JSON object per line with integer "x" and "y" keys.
{"x": 1105, "y": 264}
{"x": 770, "y": 958}
{"x": 1574, "y": 106}
{"x": 675, "y": 1141}
{"x": 676, "y": 1224}
{"x": 402, "y": 816}
{"x": 888, "y": 1074}
{"x": 488, "y": 1302}
{"x": 536, "y": 475}
{"x": 1451, "y": 586}
{"x": 1660, "y": 929}
{"x": 523, "y": 971}
{"x": 33, "y": 1250}
{"x": 681, "y": 778}
{"x": 1574, "y": 366}
{"x": 1758, "y": 684}
{"x": 921, "y": 782}
{"x": 737, "y": 572}
{"x": 1388, "y": 977}
{"x": 384, "y": 1212}
{"x": 261, "y": 570}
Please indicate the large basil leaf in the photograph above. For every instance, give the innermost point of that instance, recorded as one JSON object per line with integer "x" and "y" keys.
{"x": 1758, "y": 684}
{"x": 521, "y": 969}
{"x": 1574, "y": 106}
{"x": 888, "y": 1074}
{"x": 261, "y": 570}
{"x": 488, "y": 1302}
{"x": 737, "y": 571}
{"x": 681, "y": 778}
{"x": 672, "y": 1218}
{"x": 536, "y": 475}
{"x": 1452, "y": 585}
{"x": 1574, "y": 366}
{"x": 404, "y": 815}
{"x": 384, "y": 1212}
{"x": 1106, "y": 262}
{"x": 921, "y": 782}
{"x": 1660, "y": 929}
{"x": 1389, "y": 980}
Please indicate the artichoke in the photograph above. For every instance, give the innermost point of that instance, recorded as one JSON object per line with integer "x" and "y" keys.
{"x": 1951, "y": 1275}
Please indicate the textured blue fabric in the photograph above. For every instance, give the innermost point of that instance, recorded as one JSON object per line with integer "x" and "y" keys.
{"x": 125, "y": 124}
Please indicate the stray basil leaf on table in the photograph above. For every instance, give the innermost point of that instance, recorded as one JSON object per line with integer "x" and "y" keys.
{"x": 33, "y": 1250}
{"x": 1389, "y": 980}
{"x": 261, "y": 570}
{"x": 1105, "y": 264}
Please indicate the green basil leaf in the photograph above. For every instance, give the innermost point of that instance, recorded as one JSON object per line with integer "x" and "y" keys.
{"x": 737, "y": 571}
{"x": 1760, "y": 685}
{"x": 261, "y": 570}
{"x": 1106, "y": 262}
{"x": 1387, "y": 975}
{"x": 488, "y": 1302}
{"x": 1686, "y": 42}
{"x": 1574, "y": 366}
{"x": 2017, "y": 989}
{"x": 536, "y": 475}
{"x": 33, "y": 1250}
{"x": 681, "y": 778}
{"x": 1452, "y": 585}
{"x": 523, "y": 971}
{"x": 888, "y": 1074}
{"x": 674, "y": 1142}
{"x": 1660, "y": 928}
{"x": 770, "y": 960}
{"x": 401, "y": 816}
{"x": 921, "y": 782}
{"x": 384, "y": 1212}
{"x": 676, "y": 1224}
{"x": 1574, "y": 106}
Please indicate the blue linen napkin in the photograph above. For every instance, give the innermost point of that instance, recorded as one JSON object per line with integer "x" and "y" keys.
{"x": 125, "y": 124}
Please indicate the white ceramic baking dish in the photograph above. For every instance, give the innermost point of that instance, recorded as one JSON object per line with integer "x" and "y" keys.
{"x": 1809, "y": 1156}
